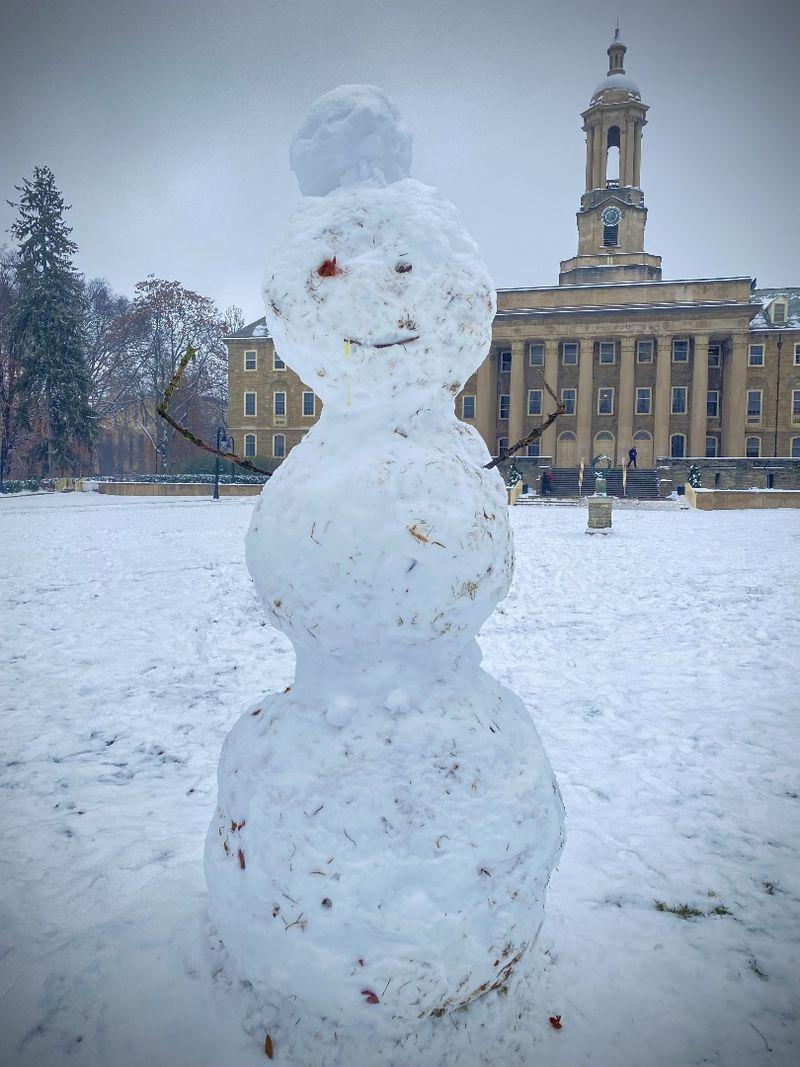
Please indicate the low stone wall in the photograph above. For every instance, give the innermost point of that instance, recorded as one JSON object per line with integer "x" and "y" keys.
{"x": 738, "y": 499}
{"x": 728, "y": 473}
{"x": 175, "y": 489}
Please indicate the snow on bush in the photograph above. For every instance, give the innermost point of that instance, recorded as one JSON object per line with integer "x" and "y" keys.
{"x": 386, "y": 827}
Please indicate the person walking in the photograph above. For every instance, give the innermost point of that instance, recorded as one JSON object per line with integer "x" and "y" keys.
{"x": 547, "y": 482}
{"x": 632, "y": 458}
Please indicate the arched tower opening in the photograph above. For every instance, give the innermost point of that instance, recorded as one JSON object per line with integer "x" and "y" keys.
{"x": 612, "y": 156}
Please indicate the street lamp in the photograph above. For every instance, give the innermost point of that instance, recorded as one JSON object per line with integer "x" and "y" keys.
{"x": 777, "y": 395}
{"x": 222, "y": 438}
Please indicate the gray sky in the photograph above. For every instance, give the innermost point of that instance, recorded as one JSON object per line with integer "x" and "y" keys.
{"x": 166, "y": 123}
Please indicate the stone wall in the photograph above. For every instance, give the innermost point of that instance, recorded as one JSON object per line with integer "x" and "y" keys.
{"x": 728, "y": 473}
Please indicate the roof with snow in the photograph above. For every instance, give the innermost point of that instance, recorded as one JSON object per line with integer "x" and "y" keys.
{"x": 768, "y": 298}
{"x": 619, "y": 83}
{"x": 255, "y": 329}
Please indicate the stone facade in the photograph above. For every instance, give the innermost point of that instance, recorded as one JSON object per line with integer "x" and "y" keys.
{"x": 701, "y": 368}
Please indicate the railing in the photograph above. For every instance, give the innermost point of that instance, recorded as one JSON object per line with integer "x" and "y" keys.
{"x": 612, "y": 183}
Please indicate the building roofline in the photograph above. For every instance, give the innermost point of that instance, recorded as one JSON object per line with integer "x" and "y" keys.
{"x": 617, "y": 309}
{"x": 620, "y": 285}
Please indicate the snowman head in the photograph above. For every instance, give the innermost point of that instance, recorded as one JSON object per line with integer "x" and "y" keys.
{"x": 376, "y": 289}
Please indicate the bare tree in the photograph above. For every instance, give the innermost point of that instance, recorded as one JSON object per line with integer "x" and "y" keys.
{"x": 110, "y": 366}
{"x": 163, "y": 320}
{"x": 12, "y": 406}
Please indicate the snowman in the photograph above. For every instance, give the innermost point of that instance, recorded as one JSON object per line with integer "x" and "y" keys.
{"x": 386, "y": 827}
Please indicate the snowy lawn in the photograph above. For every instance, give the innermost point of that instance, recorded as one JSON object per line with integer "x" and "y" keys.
{"x": 660, "y": 663}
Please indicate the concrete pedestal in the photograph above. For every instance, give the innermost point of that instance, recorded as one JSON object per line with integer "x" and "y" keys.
{"x": 599, "y": 514}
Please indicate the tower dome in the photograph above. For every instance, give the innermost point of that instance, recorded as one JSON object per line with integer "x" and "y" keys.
{"x": 616, "y": 85}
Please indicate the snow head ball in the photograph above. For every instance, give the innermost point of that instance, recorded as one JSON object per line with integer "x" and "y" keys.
{"x": 387, "y": 825}
{"x": 375, "y": 288}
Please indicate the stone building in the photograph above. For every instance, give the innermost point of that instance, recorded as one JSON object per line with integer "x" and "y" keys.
{"x": 706, "y": 367}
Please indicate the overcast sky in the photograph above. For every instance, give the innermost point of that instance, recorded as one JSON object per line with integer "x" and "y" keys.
{"x": 167, "y": 122}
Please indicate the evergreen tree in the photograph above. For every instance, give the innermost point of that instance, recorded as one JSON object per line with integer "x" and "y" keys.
{"x": 46, "y": 324}
{"x": 694, "y": 476}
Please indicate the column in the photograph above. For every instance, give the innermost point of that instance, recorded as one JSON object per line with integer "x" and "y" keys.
{"x": 699, "y": 417}
{"x": 589, "y": 157}
{"x": 663, "y": 395}
{"x": 585, "y": 400}
{"x": 626, "y": 163}
{"x": 599, "y": 155}
{"x": 486, "y": 420}
{"x": 637, "y": 155}
{"x": 548, "y": 442}
{"x": 734, "y": 399}
{"x": 518, "y": 398}
{"x": 625, "y": 418}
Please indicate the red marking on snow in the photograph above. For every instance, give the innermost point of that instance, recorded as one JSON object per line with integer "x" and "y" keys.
{"x": 241, "y": 859}
{"x": 555, "y": 1022}
{"x": 329, "y": 269}
{"x": 371, "y": 998}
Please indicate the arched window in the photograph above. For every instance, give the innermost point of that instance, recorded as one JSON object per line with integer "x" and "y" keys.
{"x": 677, "y": 445}
{"x": 752, "y": 447}
{"x": 795, "y": 449}
{"x": 604, "y": 445}
{"x": 249, "y": 445}
{"x": 711, "y": 447}
{"x": 278, "y": 445}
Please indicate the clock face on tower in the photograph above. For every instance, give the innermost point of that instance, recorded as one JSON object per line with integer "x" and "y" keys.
{"x": 611, "y": 216}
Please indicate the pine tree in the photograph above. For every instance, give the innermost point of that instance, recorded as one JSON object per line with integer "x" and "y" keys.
{"x": 46, "y": 323}
{"x": 694, "y": 476}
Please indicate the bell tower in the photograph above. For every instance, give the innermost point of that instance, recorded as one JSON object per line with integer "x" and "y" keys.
{"x": 612, "y": 214}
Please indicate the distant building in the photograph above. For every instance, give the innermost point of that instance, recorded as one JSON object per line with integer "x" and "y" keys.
{"x": 703, "y": 368}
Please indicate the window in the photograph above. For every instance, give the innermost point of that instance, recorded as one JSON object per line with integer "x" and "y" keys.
{"x": 569, "y": 353}
{"x": 606, "y": 352}
{"x": 468, "y": 407}
{"x": 752, "y": 447}
{"x": 568, "y": 399}
{"x": 644, "y": 351}
{"x": 680, "y": 351}
{"x": 505, "y": 405}
{"x": 278, "y": 446}
{"x": 249, "y": 403}
{"x": 797, "y": 355}
{"x": 536, "y": 354}
{"x": 534, "y": 449}
{"x": 795, "y": 449}
{"x": 534, "y": 401}
{"x": 756, "y": 356}
{"x": 711, "y": 447}
{"x": 249, "y": 445}
{"x": 610, "y": 236}
{"x": 502, "y": 445}
{"x": 279, "y": 403}
{"x": 715, "y": 355}
{"x": 644, "y": 401}
{"x": 779, "y": 312}
{"x": 504, "y": 357}
{"x": 753, "y": 406}
{"x": 677, "y": 445}
{"x": 308, "y": 405}
{"x": 795, "y": 405}
{"x": 277, "y": 362}
{"x": 605, "y": 401}
{"x": 679, "y": 400}
{"x": 712, "y": 403}
{"x": 250, "y": 359}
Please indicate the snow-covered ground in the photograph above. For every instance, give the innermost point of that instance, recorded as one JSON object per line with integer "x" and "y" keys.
{"x": 661, "y": 666}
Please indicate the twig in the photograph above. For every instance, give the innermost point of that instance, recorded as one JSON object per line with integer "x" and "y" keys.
{"x": 534, "y": 434}
{"x": 163, "y": 411}
{"x": 766, "y": 1043}
{"x": 349, "y": 838}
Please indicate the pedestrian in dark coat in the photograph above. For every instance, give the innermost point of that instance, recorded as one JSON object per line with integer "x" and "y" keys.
{"x": 632, "y": 458}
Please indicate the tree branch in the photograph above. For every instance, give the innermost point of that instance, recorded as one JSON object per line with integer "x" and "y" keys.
{"x": 534, "y": 434}
{"x": 163, "y": 411}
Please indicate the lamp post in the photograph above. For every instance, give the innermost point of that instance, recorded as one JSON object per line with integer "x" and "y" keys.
{"x": 222, "y": 437}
